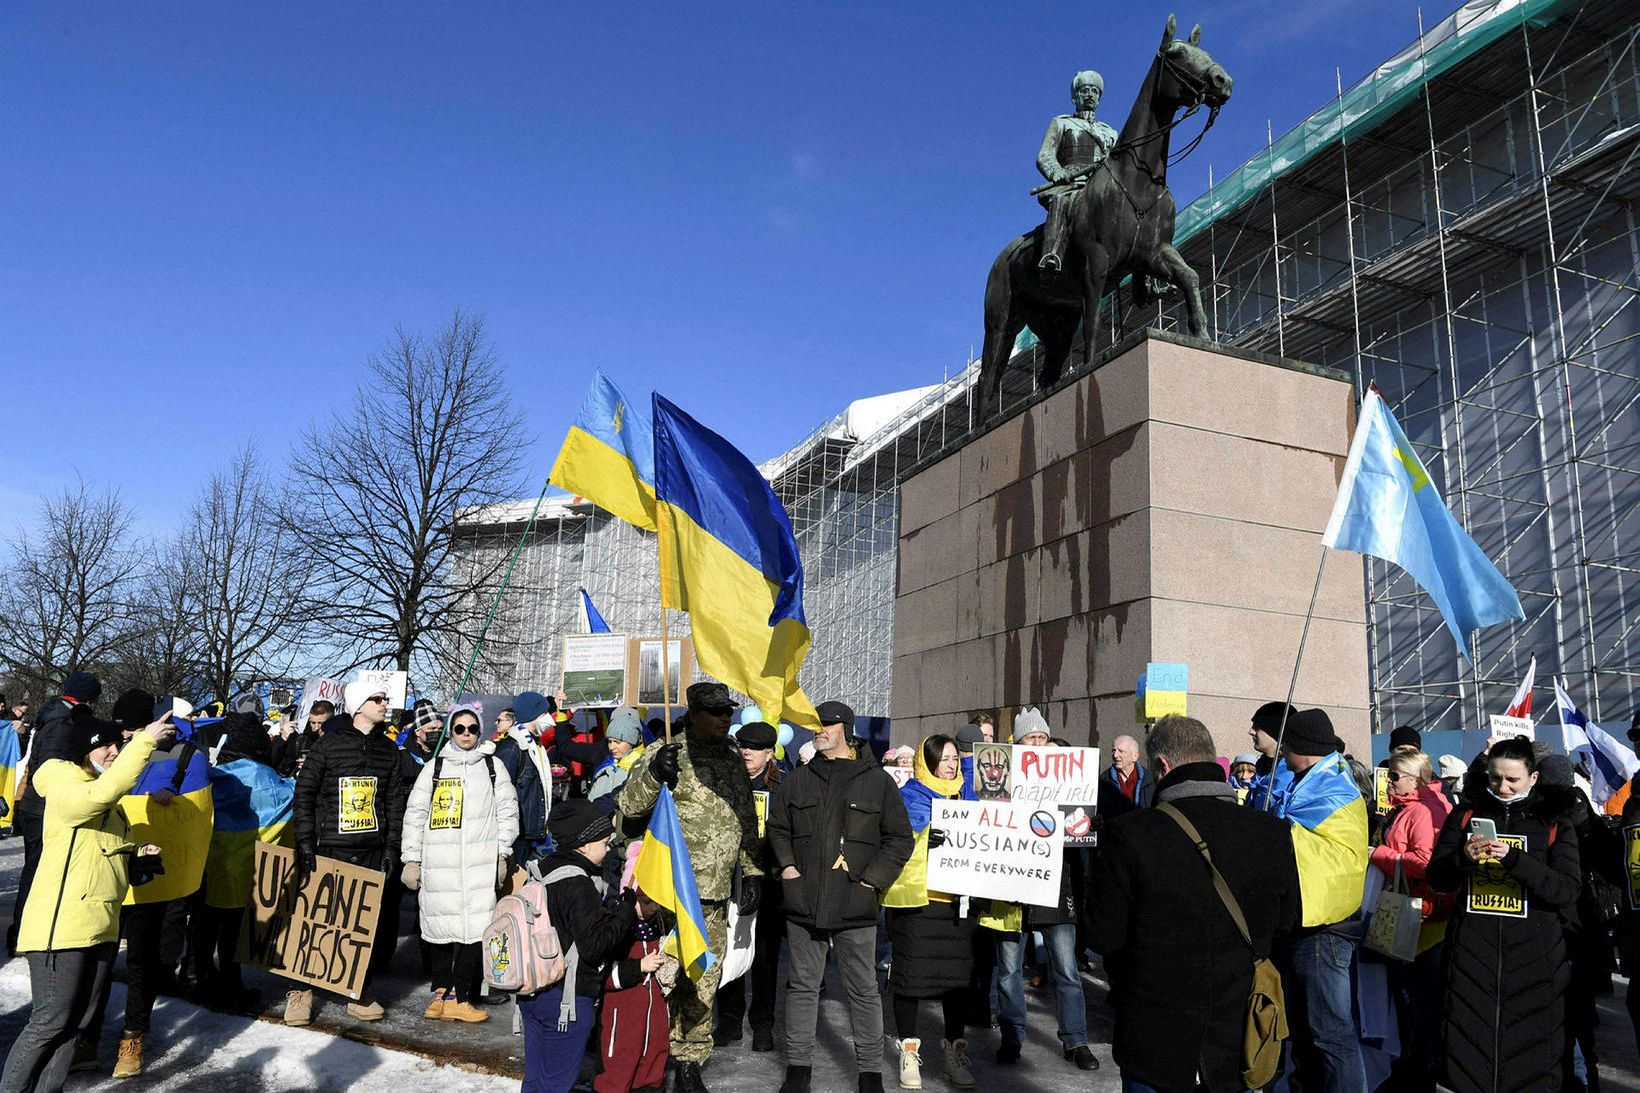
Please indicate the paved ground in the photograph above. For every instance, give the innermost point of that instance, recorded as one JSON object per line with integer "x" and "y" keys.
{"x": 193, "y": 1049}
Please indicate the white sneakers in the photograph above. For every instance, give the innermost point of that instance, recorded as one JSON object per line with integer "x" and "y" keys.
{"x": 957, "y": 1064}
{"x": 910, "y": 1064}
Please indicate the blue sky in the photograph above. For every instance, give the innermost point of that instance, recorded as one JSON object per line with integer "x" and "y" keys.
{"x": 215, "y": 213}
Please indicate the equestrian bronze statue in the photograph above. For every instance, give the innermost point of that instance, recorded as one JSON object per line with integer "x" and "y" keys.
{"x": 1110, "y": 214}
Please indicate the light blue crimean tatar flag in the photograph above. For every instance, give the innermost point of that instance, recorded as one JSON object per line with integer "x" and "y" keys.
{"x": 1388, "y": 507}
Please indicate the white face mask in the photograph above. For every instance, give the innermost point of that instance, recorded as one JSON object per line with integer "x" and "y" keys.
{"x": 1521, "y": 796}
{"x": 96, "y": 766}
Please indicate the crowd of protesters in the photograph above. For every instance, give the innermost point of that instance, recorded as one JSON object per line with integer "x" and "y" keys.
{"x": 1215, "y": 881}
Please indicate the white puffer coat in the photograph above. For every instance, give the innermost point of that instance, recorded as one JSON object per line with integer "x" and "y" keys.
{"x": 457, "y": 837}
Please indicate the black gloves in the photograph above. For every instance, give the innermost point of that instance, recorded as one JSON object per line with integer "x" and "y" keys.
{"x": 307, "y": 860}
{"x": 664, "y": 767}
{"x": 751, "y": 896}
{"x": 145, "y": 867}
{"x": 936, "y": 838}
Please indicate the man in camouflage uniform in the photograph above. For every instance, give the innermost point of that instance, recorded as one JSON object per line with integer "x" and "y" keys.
{"x": 719, "y": 820}
{"x": 1075, "y": 144}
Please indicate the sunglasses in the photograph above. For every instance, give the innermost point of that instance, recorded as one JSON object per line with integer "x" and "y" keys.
{"x": 464, "y": 730}
{"x": 720, "y": 711}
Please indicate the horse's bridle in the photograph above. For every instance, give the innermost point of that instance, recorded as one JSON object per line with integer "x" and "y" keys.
{"x": 1197, "y": 87}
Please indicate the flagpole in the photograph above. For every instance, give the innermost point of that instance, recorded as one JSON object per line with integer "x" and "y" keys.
{"x": 666, "y": 675}
{"x": 1292, "y": 684}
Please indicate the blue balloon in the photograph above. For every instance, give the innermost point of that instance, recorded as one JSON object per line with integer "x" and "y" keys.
{"x": 783, "y": 736}
{"x": 748, "y": 714}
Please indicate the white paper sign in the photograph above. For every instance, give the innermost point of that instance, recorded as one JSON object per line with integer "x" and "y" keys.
{"x": 1055, "y": 776}
{"x": 998, "y": 850}
{"x": 394, "y": 684}
{"x": 1503, "y": 725}
{"x": 316, "y": 688}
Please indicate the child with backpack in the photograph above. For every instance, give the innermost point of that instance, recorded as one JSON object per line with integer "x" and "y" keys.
{"x": 458, "y": 831}
{"x": 633, "y": 1030}
{"x": 559, "y": 1020}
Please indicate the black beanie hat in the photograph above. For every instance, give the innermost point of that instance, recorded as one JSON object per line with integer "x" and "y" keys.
{"x": 82, "y": 686}
{"x": 1405, "y": 736}
{"x": 1309, "y": 732}
{"x": 133, "y": 709}
{"x": 1268, "y": 717}
{"x": 243, "y": 737}
{"x": 576, "y": 822}
{"x": 92, "y": 732}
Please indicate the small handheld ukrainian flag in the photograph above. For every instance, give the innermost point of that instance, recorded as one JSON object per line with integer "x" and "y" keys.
{"x": 1388, "y": 507}
{"x": 11, "y": 757}
{"x": 609, "y": 456}
{"x": 729, "y": 558}
{"x": 666, "y": 875}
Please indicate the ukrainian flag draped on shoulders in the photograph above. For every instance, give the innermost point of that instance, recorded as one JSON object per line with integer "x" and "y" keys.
{"x": 608, "y": 456}
{"x": 910, "y": 888}
{"x": 1323, "y": 806}
{"x": 253, "y": 804}
{"x": 665, "y": 873}
{"x": 177, "y": 815}
{"x": 1388, "y": 507}
{"x": 11, "y": 757}
{"x": 729, "y": 558}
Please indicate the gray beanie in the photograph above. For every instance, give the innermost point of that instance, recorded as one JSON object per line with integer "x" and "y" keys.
{"x": 625, "y": 724}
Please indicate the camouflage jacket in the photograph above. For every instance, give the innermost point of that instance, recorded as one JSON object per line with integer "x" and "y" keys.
{"x": 710, "y": 827}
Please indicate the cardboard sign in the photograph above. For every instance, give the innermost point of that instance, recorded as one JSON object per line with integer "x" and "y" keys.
{"x": 594, "y": 669}
{"x": 393, "y": 684}
{"x": 998, "y": 850}
{"x": 320, "y": 933}
{"x": 1631, "y": 859}
{"x": 1380, "y": 789}
{"x": 1493, "y": 891}
{"x": 1166, "y": 686}
{"x": 1505, "y": 726}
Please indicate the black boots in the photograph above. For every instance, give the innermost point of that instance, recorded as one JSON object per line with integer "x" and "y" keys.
{"x": 798, "y": 1079}
{"x": 871, "y": 1082}
{"x": 688, "y": 1079}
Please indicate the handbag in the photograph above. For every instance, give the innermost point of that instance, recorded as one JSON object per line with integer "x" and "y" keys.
{"x": 1266, "y": 1025}
{"x": 1396, "y": 921}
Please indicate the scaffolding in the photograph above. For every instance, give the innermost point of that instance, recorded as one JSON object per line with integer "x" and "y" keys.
{"x": 1458, "y": 228}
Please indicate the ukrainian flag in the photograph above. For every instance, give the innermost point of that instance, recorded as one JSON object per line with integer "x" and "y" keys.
{"x": 181, "y": 827}
{"x": 608, "y": 458}
{"x": 1388, "y": 507}
{"x": 1328, "y": 819}
{"x": 665, "y": 874}
{"x": 729, "y": 558}
{"x": 253, "y": 804}
{"x": 11, "y": 757}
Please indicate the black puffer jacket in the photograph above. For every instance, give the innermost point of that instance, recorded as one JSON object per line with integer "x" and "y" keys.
{"x": 831, "y": 808}
{"x": 356, "y": 775}
{"x": 1506, "y": 976}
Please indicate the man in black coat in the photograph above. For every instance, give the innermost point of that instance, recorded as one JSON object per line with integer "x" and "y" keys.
{"x": 839, "y": 833}
{"x": 1180, "y": 972}
{"x": 350, "y": 798}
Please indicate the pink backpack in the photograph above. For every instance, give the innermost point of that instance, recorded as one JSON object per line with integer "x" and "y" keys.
{"x": 521, "y": 950}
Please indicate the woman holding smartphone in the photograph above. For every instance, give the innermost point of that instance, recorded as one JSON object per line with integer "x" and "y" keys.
{"x": 1513, "y": 860}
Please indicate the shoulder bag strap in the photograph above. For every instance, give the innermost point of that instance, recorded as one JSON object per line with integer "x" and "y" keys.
{"x": 1219, "y": 884}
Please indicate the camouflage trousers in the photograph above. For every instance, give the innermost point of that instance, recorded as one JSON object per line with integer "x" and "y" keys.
{"x": 690, "y": 1005}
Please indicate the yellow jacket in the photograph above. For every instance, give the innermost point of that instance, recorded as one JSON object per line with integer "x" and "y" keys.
{"x": 84, "y": 860}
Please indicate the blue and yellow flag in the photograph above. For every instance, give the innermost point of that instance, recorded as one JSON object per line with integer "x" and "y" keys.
{"x": 180, "y": 827}
{"x": 11, "y": 757}
{"x": 665, "y": 874}
{"x": 609, "y": 457}
{"x": 729, "y": 558}
{"x": 253, "y": 804}
{"x": 1388, "y": 507}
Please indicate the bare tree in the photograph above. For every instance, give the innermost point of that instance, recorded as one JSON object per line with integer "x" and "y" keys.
{"x": 376, "y": 492}
{"x": 164, "y": 656}
{"x": 243, "y": 588}
{"x": 67, "y": 599}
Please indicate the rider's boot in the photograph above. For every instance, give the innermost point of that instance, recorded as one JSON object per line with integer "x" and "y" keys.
{"x": 1053, "y": 235}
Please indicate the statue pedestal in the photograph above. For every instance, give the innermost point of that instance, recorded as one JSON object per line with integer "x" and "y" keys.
{"x": 1166, "y": 505}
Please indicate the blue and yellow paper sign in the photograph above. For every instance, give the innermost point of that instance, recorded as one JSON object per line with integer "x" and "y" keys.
{"x": 1165, "y": 687}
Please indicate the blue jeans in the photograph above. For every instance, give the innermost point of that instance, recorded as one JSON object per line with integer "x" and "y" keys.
{"x": 1321, "y": 1013}
{"x": 1060, "y": 942}
{"x": 552, "y": 1059}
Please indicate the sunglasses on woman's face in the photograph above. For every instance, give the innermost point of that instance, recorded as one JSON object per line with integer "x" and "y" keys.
{"x": 464, "y": 730}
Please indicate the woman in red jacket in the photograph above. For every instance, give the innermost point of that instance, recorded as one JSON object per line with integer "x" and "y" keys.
{"x": 1419, "y": 810}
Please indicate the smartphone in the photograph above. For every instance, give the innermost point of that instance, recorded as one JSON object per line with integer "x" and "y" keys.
{"x": 1485, "y": 828}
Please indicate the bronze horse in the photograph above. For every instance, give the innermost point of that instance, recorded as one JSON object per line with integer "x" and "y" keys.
{"x": 1120, "y": 223}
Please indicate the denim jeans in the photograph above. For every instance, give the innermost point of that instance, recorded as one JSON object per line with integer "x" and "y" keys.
{"x": 1060, "y": 942}
{"x": 1321, "y": 1013}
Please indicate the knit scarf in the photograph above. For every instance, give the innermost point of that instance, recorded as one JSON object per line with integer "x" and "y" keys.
{"x": 720, "y": 769}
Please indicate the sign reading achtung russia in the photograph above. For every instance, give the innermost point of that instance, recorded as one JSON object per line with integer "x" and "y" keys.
{"x": 319, "y": 932}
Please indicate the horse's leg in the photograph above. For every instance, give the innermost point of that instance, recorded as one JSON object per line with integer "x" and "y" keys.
{"x": 1177, "y": 270}
{"x": 1095, "y": 268}
{"x": 1057, "y": 337}
{"x": 1000, "y": 335}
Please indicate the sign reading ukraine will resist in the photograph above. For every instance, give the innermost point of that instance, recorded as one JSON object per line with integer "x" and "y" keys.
{"x": 998, "y": 850}
{"x": 319, "y": 931}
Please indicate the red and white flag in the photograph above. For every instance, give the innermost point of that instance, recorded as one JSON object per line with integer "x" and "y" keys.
{"x": 1521, "y": 704}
